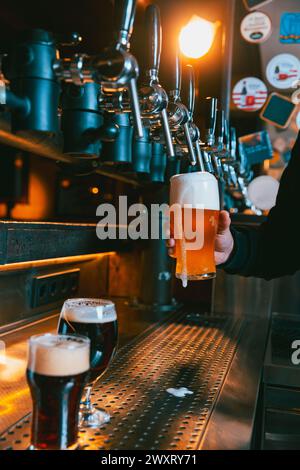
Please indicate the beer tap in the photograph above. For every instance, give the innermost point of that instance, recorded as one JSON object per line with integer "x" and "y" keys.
{"x": 238, "y": 184}
{"x": 33, "y": 91}
{"x": 244, "y": 168}
{"x": 239, "y": 168}
{"x": 115, "y": 69}
{"x": 210, "y": 117}
{"x": 225, "y": 155}
{"x": 219, "y": 145}
{"x": 194, "y": 131}
{"x": 153, "y": 98}
{"x": 178, "y": 113}
{"x": 233, "y": 160}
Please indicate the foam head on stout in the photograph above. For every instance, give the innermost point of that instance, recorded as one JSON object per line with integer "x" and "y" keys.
{"x": 89, "y": 311}
{"x": 96, "y": 319}
{"x": 56, "y": 374}
{"x": 194, "y": 226}
{"x": 58, "y": 355}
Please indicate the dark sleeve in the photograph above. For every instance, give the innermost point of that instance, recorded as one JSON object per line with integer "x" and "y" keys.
{"x": 273, "y": 249}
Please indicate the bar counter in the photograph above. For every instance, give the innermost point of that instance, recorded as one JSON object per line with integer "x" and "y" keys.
{"x": 218, "y": 359}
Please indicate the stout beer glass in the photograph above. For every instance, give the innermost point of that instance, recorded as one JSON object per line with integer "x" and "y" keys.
{"x": 56, "y": 374}
{"x": 96, "y": 319}
{"x": 195, "y": 206}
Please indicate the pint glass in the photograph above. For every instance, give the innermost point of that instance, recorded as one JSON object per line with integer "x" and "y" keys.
{"x": 57, "y": 370}
{"x": 195, "y": 207}
{"x": 96, "y": 319}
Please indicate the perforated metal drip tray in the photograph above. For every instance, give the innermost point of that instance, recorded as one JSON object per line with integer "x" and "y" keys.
{"x": 186, "y": 350}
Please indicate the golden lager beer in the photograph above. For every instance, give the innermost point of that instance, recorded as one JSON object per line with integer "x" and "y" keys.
{"x": 194, "y": 214}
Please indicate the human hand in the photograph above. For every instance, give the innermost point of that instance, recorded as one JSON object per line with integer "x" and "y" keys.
{"x": 223, "y": 243}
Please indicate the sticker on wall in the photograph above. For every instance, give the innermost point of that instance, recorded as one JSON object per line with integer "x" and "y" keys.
{"x": 262, "y": 192}
{"x": 278, "y": 110}
{"x": 283, "y": 71}
{"x": 255, "y": 148}
{"x": 254, "y": 4}
{"x": 249, "y": 94}
{"x": 256, "y": 27}
{"x": 298, "y": 120}
{"x": 290, "y": 28}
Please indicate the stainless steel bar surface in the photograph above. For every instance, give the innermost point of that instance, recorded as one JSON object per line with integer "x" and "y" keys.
{"x": 183, "y": 349}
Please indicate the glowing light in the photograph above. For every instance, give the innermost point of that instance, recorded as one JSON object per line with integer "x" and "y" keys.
{"x": 12, "y": 400}
{"x": 94, "y": 190}
{"x": 13, "y": 369}
{"x": 65, "y": 183}
{"x": 197, "y": 37}
{"x": 18, "y": 163}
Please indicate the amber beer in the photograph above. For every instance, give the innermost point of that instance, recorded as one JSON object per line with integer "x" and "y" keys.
{"x": 195, "y": 207}
{"x": 57, "y": 370}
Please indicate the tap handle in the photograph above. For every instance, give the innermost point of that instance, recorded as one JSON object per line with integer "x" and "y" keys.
{"x": 167, "y": 133}
{"x": 135, "y": 108}
{"x": 176, "y": 75}
{"x": 189, "y": 76}
{"x": 226, "y": 139}
{"x": 199, "y": 156}
{"x": 233, "y": 142}
{"x": 192, "y": 155}
{"x": 210, "y": 114}
{"x": 243, "y": 160}
{"x": 154, "y": 40}
{"x": 220, "y": 126}
{"x": 207, "y": 162}
{"x": 124, "y": 13}
{"x": 233, "y": 176}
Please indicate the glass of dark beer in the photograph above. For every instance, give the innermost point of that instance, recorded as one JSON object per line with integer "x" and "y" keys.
{"x": 96, "y": 319}
{"x": 57, "y": 371}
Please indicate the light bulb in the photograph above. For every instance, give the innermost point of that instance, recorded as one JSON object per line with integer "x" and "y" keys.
{"x": 197, "y": 37}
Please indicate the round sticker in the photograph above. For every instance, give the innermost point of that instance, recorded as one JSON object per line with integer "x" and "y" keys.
{"x": 298, "y": 120}
{"x": 283, "y": 71}
{"x": 262, "y": 192}
{"x": 250, "y": 94}
{"x": 256, "y": 27}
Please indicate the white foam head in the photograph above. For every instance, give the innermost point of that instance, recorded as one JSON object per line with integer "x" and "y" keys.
{"x": 89, "y": 310}
{"x": 59, "y": 355}
{"x": 198, "y": 189}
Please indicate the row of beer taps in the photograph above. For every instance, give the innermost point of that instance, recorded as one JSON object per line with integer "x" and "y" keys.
{"x": 162, "y": 116}
{"x": 106, "y": 85}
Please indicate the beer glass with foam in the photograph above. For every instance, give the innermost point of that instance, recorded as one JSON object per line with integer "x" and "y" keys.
{"x": 194, "y": 214}
{"x": 96, "y": 319}
{"x": 56, "y": 374}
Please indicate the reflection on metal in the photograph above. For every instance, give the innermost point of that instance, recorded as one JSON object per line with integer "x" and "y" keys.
{"x": 14, "y": 392}
{"x": 286, "y": 298}
{"x": 53, "y": 261}
{"x": 242, "y": 295}
{"x": 186, "y": 350}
